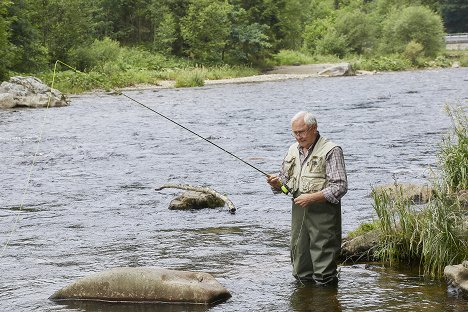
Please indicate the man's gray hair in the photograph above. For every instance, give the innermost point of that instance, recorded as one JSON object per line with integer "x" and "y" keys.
{"x": 309, "y": 119}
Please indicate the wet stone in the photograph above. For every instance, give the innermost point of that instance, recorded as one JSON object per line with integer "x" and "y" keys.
{"x": 195, "y": 200}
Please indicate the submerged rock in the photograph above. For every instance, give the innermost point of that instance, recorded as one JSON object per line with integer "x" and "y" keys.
{"x": 29, "y": 92}
{"x": 457, "y": 276}
{"x": 146, "y": 284}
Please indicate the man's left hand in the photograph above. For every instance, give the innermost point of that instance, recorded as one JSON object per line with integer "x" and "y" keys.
{"x": 305, "y": 200}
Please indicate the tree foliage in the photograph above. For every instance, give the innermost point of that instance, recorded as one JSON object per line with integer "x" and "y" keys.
{"x": 35, "y": 33}
{"x": 415, "y": 23}
{"x": 5, "y": 53}
{"x": 206, "y": 28}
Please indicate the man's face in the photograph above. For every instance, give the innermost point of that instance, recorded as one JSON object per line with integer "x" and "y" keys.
{"x": 304, "y": 134}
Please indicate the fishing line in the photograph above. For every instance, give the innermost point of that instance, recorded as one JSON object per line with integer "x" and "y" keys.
{"x": 284, "y": 188}
{"x": 193, "y": 132}
{"x": 31, "y": 167}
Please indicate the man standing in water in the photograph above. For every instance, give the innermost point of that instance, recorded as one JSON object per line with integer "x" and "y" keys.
{"x": 314, "y": 173}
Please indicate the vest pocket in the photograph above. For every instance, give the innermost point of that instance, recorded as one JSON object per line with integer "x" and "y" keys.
{"x": 312, "y": 184}
{"x": 288, "y": 165}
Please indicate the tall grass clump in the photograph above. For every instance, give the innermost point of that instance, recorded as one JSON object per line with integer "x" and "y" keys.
{"x": 190, "y": 78}
{"x": 434, "y": 235}
{"x": 398, "y": 226}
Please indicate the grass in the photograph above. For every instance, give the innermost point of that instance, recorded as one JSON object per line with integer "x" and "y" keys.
{"x": 435, "y": 235}
{"x": 69, "y": 81}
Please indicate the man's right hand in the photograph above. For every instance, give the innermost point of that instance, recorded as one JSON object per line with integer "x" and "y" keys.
{"x": 274, "y": 182}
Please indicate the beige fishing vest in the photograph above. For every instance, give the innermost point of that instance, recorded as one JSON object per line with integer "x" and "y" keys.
{"x": 312, "y": 176}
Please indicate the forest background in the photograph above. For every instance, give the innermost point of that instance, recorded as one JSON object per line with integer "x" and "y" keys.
{"x": 124, "y": 42}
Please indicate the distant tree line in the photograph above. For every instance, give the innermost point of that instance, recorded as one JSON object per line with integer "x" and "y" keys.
{"x": 35, "y": 33}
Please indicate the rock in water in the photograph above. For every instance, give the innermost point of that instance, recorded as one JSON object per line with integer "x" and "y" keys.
{"x": 195, "y": 200}
{"x": 146, "y": 284}
{"x": 457, "y": 276}
{"x": 29, "y": 92}
{"x": 197, "y": 197}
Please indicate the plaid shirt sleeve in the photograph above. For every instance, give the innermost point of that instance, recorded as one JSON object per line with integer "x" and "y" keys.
{"x": 337, "y": 182}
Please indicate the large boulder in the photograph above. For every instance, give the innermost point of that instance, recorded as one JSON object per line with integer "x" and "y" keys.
{"x": 360, "y": 248}
{"x": 342, "y": 69}
{"x": 457, "y": 276}
{"x": 146, "y": 284}
{"x": 29, "y": 92}
{"x": 195, "y": 200}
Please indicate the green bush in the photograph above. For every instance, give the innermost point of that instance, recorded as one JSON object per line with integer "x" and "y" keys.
{"x": 289, "y": 57}
{"x": 193, "y": 78}
{"x": 332, "y": 43}
{"x": 415, "y": 23}
{"x": 97, "y": 54}
{"x": 315, "y": 31}
{"x": 357, "y": 29}
{"x": 394, "y": 62}
{"x": 413, "y": 51}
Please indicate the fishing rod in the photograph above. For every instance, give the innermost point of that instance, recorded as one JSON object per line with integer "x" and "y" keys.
{"x": 193, "y": 132}
{"x": 284, "y": 188}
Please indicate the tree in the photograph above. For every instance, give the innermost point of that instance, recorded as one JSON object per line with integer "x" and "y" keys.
{"x": 292, "y": 22}
{"x": 357, "y": 29}
{"x": 30, "y": 53}
{"x": 315, "y": 31}
{"x": 454, "y": 13}
{"x": 416, "y": 23}
{"x": 5, "y": 53}
{"x": 64, "y": 25}
{"x": 206, "y": 28}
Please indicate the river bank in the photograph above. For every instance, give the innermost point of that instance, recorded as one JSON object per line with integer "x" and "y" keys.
{"x": 278, "y": 73}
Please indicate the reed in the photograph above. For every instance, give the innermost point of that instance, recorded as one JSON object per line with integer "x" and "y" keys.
{"x": 434, "y": 235}
{"x": 190, "y": 78}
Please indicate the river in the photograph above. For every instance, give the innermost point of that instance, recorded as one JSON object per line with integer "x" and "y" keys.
{"x": 91, "y": 205}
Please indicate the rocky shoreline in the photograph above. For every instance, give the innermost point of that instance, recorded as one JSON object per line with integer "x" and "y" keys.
{"x": 278, "y": 73}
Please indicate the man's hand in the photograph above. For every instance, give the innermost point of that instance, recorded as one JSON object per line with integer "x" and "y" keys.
{"x": 274, "y": 182}
{"x": 305, "y": 200}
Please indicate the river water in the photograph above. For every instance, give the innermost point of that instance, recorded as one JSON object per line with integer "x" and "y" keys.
{"x": 90, "y": 204}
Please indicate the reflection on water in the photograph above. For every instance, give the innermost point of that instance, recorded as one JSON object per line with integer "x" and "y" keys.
{"x": 134, "y": 307}
{"x": 91, "y": 204}
{"x": 313, "y": 298}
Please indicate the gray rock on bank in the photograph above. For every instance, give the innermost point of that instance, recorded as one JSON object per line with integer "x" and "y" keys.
{"x": 457, "y": 276}
{"x": 29, "y": 92}
{"x": 146, "y": 284}
{"x": 343, "y": 69}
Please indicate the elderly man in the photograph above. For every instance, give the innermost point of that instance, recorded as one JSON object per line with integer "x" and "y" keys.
{"x": 313, "y": 172}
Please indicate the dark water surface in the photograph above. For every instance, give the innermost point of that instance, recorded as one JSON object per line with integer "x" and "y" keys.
{"x": 91, "y": 204}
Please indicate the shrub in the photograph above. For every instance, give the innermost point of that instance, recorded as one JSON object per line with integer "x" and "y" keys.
{"x": 315, "y": 31}
{"x": 357, "y": 29}
{"x": 394, "y": 62}
{"x": 193, "y": 78}
{"x": 97, "y": 54}
{"x": 413, "y": 51}
{"x": 332, "y": 43}
{"x": 289, "y": 57}
{"x": 416, "y": 23}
